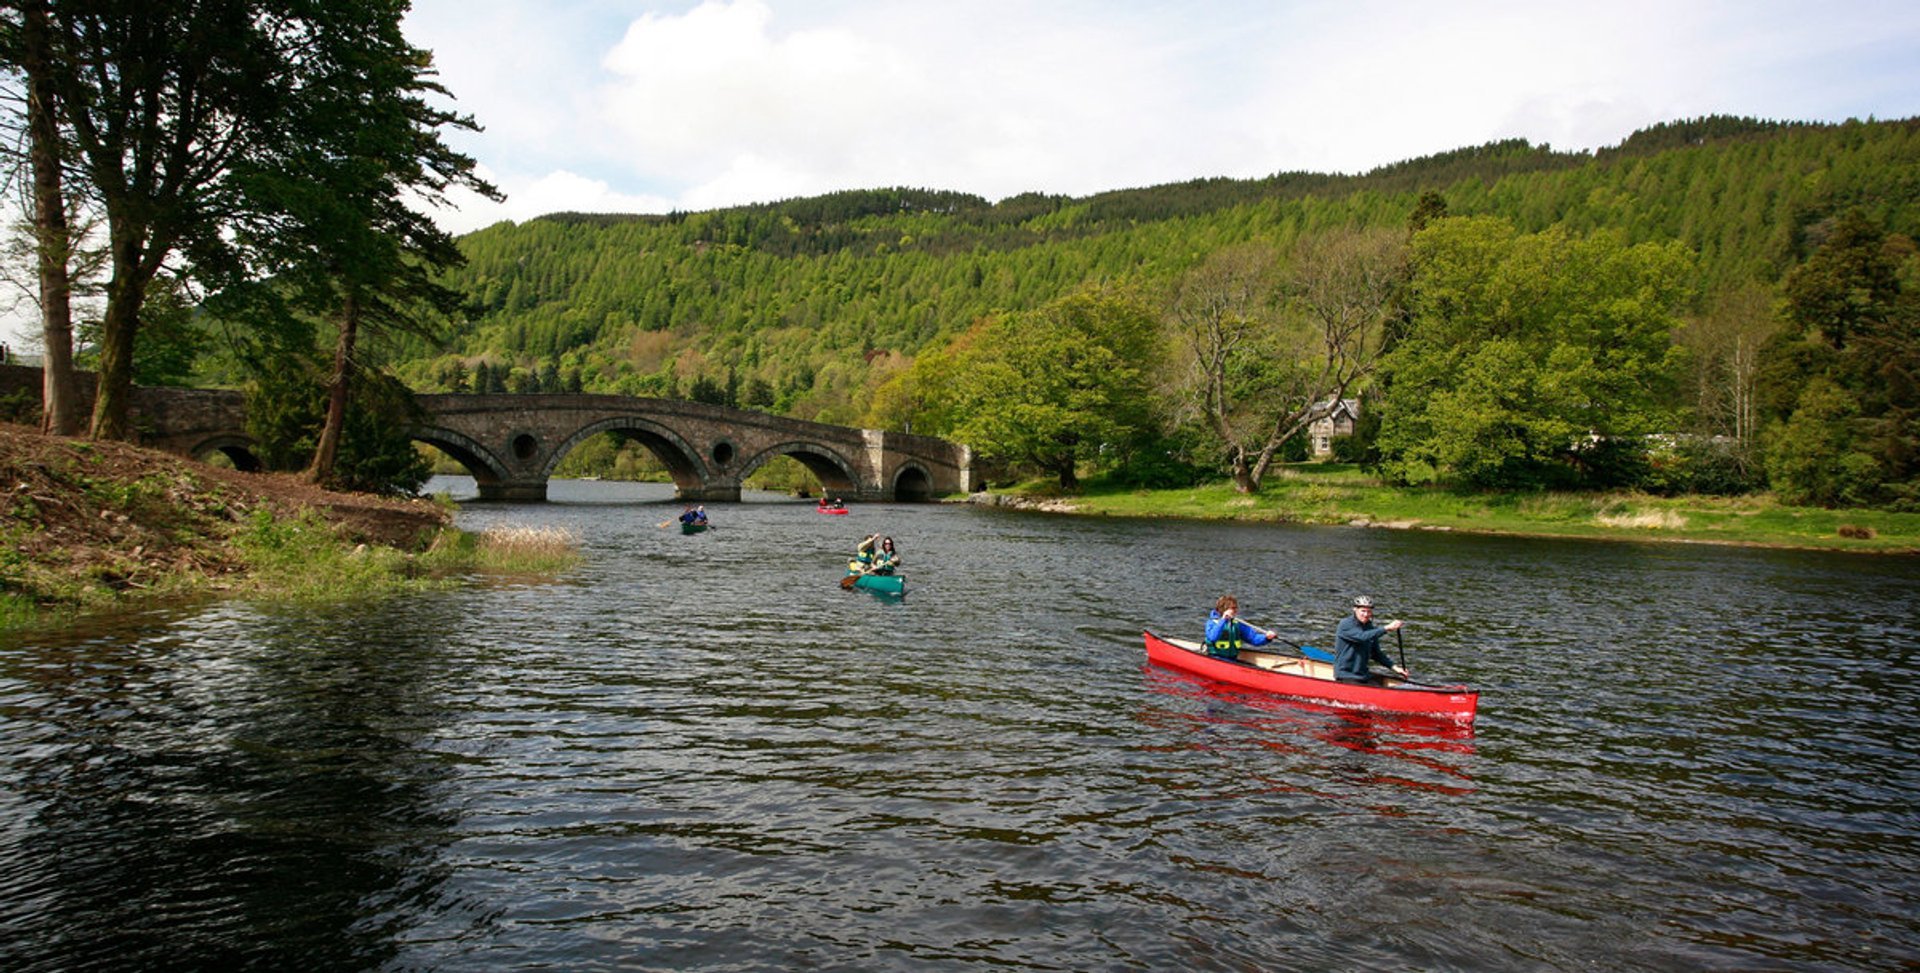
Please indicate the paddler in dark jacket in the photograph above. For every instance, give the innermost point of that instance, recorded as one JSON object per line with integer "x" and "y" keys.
{"x": 1227, "y": 634}
{"x": 1356, "y": 644}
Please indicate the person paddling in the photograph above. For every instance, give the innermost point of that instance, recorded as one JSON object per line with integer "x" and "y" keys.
{"x": 1227, "y": 634}
{"x": 863, "y": 556}
{"x": 1356, "y": 644}
{"x": 886, "y": 560}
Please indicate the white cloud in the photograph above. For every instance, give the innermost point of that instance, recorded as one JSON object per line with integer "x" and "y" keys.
{"x": 556, "y": 192}
{"x": 731, "y": 108}
{"x": 590, "y": 106}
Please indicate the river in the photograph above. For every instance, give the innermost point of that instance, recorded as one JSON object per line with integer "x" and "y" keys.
{"x": 699, "y": 753}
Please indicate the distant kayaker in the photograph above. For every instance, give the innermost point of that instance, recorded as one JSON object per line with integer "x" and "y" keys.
{"x": 1227, "y": 633}
{"x": 885, "y": 560}
{"x": 700, "y": 514}
{"x": 1356, "y": 644}
{"x": 688, "y": 516}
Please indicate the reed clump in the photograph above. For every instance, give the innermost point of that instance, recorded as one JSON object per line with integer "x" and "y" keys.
{"x": 527, "y": 550}
{"x": 1642, "y": 519}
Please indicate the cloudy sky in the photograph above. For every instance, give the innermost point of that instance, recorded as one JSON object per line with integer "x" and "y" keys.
{"x": 644, "y": 106}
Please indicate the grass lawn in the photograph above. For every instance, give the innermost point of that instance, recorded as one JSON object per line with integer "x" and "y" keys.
{"x": 1328, "y": 493}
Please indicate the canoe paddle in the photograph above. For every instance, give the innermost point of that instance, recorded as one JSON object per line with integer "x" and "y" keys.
{"x": 1401, "y": 644}
{"x": 1310, "y": 652}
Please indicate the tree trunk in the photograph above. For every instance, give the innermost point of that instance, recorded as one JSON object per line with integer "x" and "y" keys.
{"x": 328, "y": 450}
{"x": 59, "y": 395}
{"x": 113, "y": 396}
{"x": 1243, "y": 478}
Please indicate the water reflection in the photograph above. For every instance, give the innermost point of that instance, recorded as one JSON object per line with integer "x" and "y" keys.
{"x": 1405, "y": 750}
{"x": 233, "y": 791}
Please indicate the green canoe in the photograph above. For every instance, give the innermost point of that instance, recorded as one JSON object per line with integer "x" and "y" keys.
{"x": 883, "y": 584}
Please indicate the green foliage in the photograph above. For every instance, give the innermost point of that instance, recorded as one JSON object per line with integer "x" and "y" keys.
{"x": 20, "y": 406}
{"x": 1704, "y": 466}
{"x": 285, "y": 411}
{"x": 172, "y": 339}
{"x": 611, "y": 456}
{"x": 1813, "y": 457}
{"x": 1057, "y": 387}
{"x": 169, "y": 114}
{"x": 16, "y": 611}
{"x": 1527, "y": 350}
{"x": 1842, "y": 387}
{"x": 300, "y": 559}
{"x": 1172, "y": 461}
{"x": 376, "y": 456}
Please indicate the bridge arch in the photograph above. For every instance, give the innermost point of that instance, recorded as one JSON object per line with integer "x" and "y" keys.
{"x": 912, "y": 483}
{"x": 488, "y": 472}
{"x": 683, "y": 462}
{"x": 835, "y": 473}
{"x": 236, "y": 447}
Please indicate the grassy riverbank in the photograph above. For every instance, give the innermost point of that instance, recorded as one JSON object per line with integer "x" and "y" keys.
{"x": 1339, "y": 494}
{"x": 88, "y": 526}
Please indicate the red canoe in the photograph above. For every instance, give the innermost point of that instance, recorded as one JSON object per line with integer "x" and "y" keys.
{"x": 830, "y": 510}
{"x": 1310, "y": 679}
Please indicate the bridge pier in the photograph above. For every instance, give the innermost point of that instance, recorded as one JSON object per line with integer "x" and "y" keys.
{"x": 713, "y": 491}
{"x": 513, "y": 491}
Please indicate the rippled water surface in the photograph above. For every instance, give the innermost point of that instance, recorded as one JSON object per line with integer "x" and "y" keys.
{"x": 699, "y": 753}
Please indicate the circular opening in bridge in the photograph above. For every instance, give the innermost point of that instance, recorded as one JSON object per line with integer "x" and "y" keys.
{"x": 524, "y": 446}
{"x": 723, "y": 453}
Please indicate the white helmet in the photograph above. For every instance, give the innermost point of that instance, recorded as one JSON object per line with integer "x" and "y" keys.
{"x": 1362, "y": 601}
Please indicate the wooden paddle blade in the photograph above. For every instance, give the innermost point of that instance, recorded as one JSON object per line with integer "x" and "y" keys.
{"x": 846, "y": 583}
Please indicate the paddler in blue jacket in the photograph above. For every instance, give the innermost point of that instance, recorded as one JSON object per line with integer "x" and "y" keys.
{"x": 1227, "y": 633}
{"x": 1356, "y": 644}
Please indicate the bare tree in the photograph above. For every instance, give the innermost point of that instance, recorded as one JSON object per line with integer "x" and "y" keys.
{"x": 1270, "y": 349}
{"x": 1725, "y": 348}
{"x": 1221, "y": 313}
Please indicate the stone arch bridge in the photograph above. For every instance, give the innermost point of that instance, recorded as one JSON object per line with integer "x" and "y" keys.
{"x": 511, "y": 443}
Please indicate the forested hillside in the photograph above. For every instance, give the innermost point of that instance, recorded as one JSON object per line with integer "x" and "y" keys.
{"x": 805, "y": 306}
{"x": 810, "y": 307}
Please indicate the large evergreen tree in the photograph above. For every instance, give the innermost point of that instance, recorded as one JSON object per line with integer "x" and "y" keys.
{"x": 1842, "y": 382}
{"x": 336, "y": 220}
{"x": 160, "y": 107}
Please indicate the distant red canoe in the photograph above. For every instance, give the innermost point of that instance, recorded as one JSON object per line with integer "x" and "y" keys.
{"x": 1311, "y": 679}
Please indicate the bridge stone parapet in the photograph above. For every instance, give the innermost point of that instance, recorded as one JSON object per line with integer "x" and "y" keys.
{"x": 512, "y": 443}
